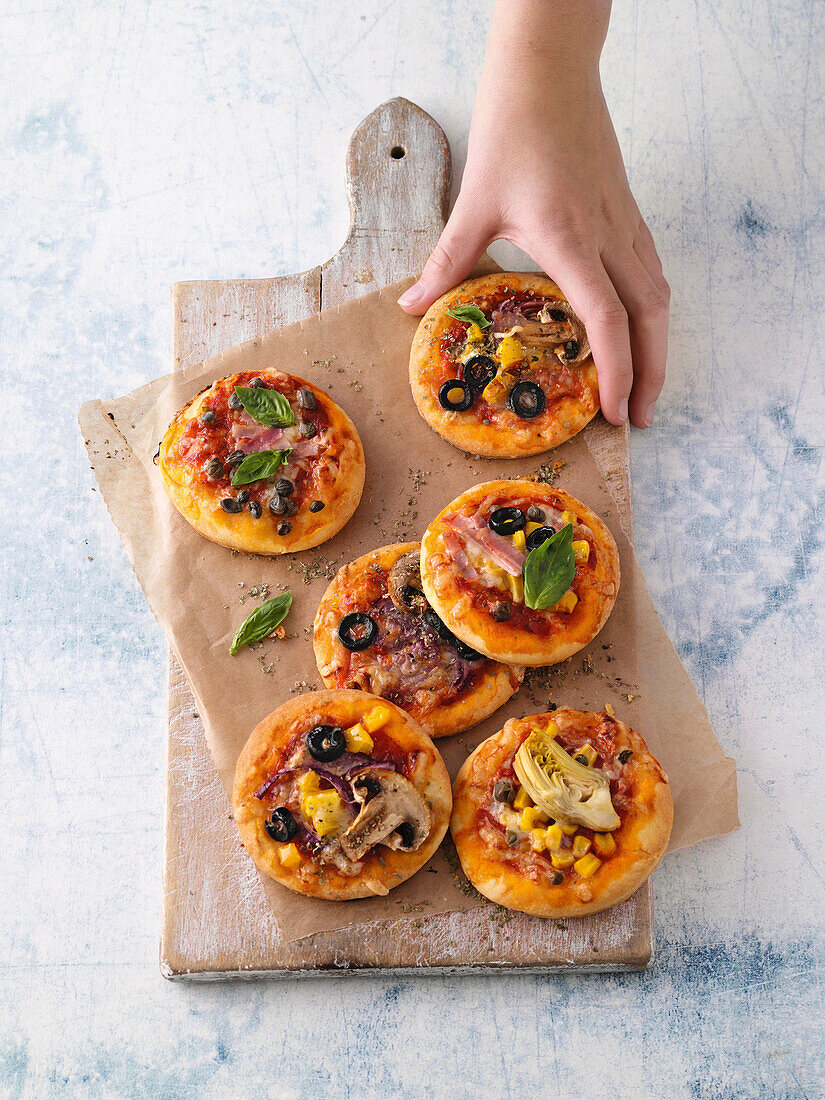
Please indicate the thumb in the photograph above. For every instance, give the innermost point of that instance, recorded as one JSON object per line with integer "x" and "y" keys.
{"x": 463, "y": 240}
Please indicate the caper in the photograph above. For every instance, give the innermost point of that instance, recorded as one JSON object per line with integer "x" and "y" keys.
{"x": 306, "y": 399}
{"x": 235, "y": 402}
{"x": 624, "y": 756}
{"x": 511, "y": 838}
{"x": 229, "y": 504}
{"x": 290, "y": 507}
{"x": 208, "y": 416}
{"x": 582, "y": 759}
{"x": 501, "y": 612}
{"x": 308, "y": 429}
{"x": 557, "y": 879}
{"x": 535, "y": 515}
{"x": 257, "y": 383}
{"x": 243, "y": 496}
{"x": 316, "y": 506}
{"x": 284, "y": 527}
{"x": 277, "y": 506}
{"x": 284, "y": 487}
{"x": 214, "y": 467}
{"x": 255, "y": 510}
{"x": 504, "y": 791}
{"x": 236, "y": 458}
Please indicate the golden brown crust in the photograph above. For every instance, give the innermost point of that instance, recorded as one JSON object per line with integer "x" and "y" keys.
{"x": 519, "y": 878}
{"x": 263, "y": 755}
{"x": 357, "y": 587}
{"x": 506, "y": 435}
{"x": 338, "y": 484}
{"x": 528, "y": 637}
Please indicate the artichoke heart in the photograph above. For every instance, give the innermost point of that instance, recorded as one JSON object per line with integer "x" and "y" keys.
{"x": 564, "y": 788}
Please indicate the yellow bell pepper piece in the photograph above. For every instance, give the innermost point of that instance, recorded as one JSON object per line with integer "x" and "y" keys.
{"x": 530, "y": 527}
{"x": 358, "y": 740}
{"x": 588, "y": 865}
{"x": 562, "y": 859}
{"x": 474, "y": 333}
{"x": 308, "y": 783}
{"x": 289, "y": 855}
{"x": 498, "y": 388}
{"x": 581, "y": 845}
{"x": 511, "y": 351}
{"x": 326, "y": 811}
{"x": 604, "y": 843}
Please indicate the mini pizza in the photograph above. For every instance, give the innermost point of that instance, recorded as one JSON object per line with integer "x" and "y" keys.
{"x": 340, "y": 795}
{"x": 522, "y": 572}
{"x": 561, "y": 814}
{"x": 375, "y": 630}
{"x": 501, "y": 367}
{"x": 263, "y": 462}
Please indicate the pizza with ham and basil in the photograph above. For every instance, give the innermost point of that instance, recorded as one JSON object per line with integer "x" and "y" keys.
{"x": 561, "y": 814}
{"x": 521, "y": 571}
{"x": 375, "y": 631}
{"x": 501, "y": 366}
{"x": 340, "y": 795}
{"x": 263, "y": 462}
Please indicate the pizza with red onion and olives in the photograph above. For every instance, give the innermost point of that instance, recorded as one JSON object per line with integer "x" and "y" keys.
{"x": 340, "y": 795}
{"x": 561, "y": 814}
{"x": 501, "y": 366}
{"x": 375, "y": 631}
{"x": 263, "y": 462}
{"x": 521, "y": 571}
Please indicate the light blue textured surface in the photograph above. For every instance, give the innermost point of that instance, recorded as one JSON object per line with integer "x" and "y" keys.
{"x": 147, "y": 143}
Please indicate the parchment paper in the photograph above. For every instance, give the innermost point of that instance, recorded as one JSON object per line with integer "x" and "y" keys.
{"x": 201, "y": 592}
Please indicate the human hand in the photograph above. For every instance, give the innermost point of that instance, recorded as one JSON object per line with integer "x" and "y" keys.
{"x": 544, "y": 171}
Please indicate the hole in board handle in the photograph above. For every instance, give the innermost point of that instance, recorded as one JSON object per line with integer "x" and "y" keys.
{"x": 398, "y": 152}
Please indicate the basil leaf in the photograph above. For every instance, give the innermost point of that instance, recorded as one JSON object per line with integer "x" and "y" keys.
{"x": 549, "y": 570}
{"x": 257, "y": 466}
{"x": 470, "y": 314}
{"x": 266, "y": 406}
{"x": 262, "y": 621}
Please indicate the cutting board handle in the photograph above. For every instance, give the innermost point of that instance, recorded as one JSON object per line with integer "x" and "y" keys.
{"x": 398, "y": 171}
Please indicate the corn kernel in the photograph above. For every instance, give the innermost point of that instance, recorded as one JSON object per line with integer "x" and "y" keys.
{"x": 562, "y": 859}
{"x": 515, "y": 586}
{"x": 552, "y": 730}
{"x": 376, "y": 718}
{"x": 553, "y": 837}
{"x": 522, "y": 799}
{"x": 358, "y": 740}
{"x": 530, "y": 527}
{"x": 519, "y": 541}
{"x": 581, "y": 549}
{"x": 532, "y": 816}
{"x": 537, "y": 839}
{"x": 511, "y": 351}
{"x": 568, "y": 602}
{"x": 570, "y": 829}
{"x": 588, "y": 865}
{"x": 289, "y": 855}
{"x": 588, "y": 752}
{"x": 568, "y": 517}
{"x": 581, "y": 845}
{"x": 604, "y": 843}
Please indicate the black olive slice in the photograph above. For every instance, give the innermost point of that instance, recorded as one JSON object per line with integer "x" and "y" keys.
{"x": 527, "y": 400}
{"x": 326, "y": 743}
{"x": 537, "y": 537}
{"x": 434, "y": 623}
{"x": 357, "y": 630}
{"x": 455, "y": 395}
{"x": 479, "y": 370}
{"x": 282, "y": 826}
{"x": 506, "y": 521}
{"x": 467, "y": 652}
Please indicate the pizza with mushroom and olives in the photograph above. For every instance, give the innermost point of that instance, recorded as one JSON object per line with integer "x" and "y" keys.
{"x": 561, "y": 814}
{"x": 501, "y": 366}
{"x": 263, "y": 462}
{"x": 340, "y": 795}
{"x": 521, "y": 571}
{"x": 374, "y": 630}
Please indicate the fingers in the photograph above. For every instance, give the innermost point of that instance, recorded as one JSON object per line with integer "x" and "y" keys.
{"x": 646, "y": 297}
{"x": 464, "y": 238}
{"x": 586, "y": 285}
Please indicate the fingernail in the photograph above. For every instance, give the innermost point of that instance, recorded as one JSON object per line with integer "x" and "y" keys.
{"x": 622, "y": 410}
{"x": 648, "y": 417}
{"x": 411, "y": 296}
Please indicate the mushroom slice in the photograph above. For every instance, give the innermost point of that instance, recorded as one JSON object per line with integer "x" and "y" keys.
{"x": 564, "y": 788}
{"x": 556, "y": 328}
{"x": 404, "y": 584}
{"x": 388, "y": 802}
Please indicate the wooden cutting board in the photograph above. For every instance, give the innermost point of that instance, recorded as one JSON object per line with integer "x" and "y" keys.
{"x": 216, "y": 923}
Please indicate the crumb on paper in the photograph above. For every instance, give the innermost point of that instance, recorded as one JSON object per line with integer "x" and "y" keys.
{"x": 609, "y": 710}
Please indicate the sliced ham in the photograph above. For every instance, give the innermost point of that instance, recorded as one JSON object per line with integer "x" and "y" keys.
{"x": 459, "y": 557}
{"x": 499, "y": 549}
